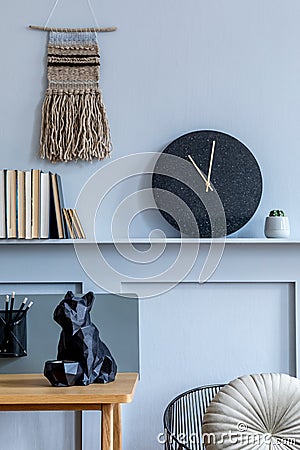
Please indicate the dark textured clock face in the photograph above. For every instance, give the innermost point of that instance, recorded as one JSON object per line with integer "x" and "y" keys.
{"x": 227, "y": 168}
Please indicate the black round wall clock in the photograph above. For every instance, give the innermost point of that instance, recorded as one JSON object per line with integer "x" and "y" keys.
{"x": 215, "y": 163}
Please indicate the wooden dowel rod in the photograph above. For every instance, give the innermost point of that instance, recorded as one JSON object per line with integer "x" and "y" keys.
{"x": 69, "y": 30}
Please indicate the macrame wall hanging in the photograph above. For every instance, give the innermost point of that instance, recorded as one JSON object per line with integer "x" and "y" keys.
{"x": 74, "y": 121}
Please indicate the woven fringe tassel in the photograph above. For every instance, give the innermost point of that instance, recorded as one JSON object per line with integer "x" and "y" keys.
{"x": 74, "y": 126}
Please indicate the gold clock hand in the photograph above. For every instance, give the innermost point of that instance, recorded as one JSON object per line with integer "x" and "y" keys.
{"x": 200, "y": 173}
{"x": 210, "y": 165}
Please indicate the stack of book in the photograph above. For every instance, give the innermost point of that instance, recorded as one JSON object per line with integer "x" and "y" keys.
{"x": 32, "y": 207}
{"x": 73, "y": 224}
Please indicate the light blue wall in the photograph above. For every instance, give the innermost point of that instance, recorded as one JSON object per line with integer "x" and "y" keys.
{"x": 172, "y": 67}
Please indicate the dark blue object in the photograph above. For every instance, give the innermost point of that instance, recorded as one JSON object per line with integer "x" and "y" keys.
{"x": 63, "y": 373}
{"x": 80, "y": 340}
{"x": 13, "y": 335}
{"x": 235, "y": 176}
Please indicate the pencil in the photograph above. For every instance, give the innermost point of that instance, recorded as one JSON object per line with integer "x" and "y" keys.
{"x": 6, "y": 308}
{"x": 25, "y": 310}
{"x": 20, "y": 309}
{"x": 12, "y": 300}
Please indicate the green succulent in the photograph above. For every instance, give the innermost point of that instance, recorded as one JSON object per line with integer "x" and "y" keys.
{"x": 276, "y": 213}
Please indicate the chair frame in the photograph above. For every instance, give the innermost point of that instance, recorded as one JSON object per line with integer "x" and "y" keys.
{"x": 205, "y": 394}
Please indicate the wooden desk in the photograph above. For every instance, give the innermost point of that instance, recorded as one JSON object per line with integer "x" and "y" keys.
{"x": 32, "y": 392}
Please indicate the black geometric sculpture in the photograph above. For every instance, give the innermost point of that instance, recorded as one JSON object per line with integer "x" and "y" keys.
{"x": 63, "y": 373}
{"x": 80, "y": 341}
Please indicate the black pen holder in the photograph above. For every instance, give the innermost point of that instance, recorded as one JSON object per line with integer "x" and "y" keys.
{"x": 13, "y": 334}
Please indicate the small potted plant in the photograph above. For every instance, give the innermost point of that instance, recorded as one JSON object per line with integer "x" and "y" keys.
{"x": 277, "y": 224}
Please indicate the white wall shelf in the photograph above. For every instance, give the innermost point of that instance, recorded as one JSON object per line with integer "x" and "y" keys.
{"x": 147, "y": 241}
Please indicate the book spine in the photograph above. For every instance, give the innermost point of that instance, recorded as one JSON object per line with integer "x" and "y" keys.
{"x": 2, "y": 205}
{"x": 28, "y": 225}
{"x": 82, "y": 233}
{"x": 35, "y": 232}
{"x": 75, "y": 228}
{"x": 45, "y": 199}
{"x": 53, "y": 229}
{"x": 69, "y": 223}
{"x": 66, "y": 226}
{"x": 11, "y": 203}
{"x": 21, "y": 204}
{"x": 61, "y": 203}
{"x": 58, "y": 213}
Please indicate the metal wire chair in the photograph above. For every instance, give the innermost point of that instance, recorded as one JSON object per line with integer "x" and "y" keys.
{"x": 183, "y": 418}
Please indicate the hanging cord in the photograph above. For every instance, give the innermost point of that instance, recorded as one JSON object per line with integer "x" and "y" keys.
{"x": 54, "y": 8}
{"x": 51, "y": 13}
{"x": 93, "y": 13}
{"x": 97, "y": 28}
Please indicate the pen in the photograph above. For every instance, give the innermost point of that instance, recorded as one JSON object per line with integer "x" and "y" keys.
{"x": 12, "y": 300}
{"x": 6, "y": 308}
{"x": 25, "y": 311}
{"x": 20, "y": 309}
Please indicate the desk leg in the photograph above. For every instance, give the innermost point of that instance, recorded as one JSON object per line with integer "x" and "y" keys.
{"x": 117, "y": 427}
{"x": 107, "y": 427}
{"x": 78, "y": 430}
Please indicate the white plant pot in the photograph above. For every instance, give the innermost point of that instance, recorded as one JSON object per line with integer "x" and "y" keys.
{"x": 277, "y": 227}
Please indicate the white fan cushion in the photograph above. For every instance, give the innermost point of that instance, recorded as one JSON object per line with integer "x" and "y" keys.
{"x": 254, "y": 412}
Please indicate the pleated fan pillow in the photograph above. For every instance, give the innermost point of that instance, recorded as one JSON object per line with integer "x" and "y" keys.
{"x": 254, "y": 412}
